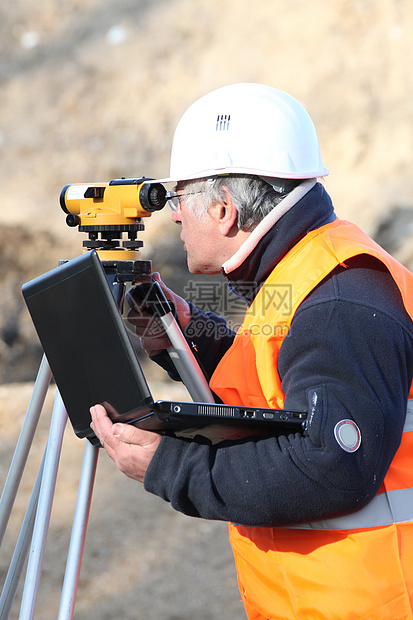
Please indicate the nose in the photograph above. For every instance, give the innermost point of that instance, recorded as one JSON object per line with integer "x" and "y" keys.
{"x": 176, "y": 216}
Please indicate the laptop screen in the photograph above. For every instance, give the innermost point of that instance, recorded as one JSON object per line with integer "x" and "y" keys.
{"x": 71, "y": 306}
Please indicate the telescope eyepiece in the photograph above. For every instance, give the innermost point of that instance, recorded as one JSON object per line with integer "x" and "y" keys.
{"x": 152, "y": 196}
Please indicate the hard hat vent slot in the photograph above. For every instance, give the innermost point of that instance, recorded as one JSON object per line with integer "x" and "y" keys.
{"x": 223, "y": 122}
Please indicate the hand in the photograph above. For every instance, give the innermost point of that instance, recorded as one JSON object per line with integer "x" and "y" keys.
{"x": 131, "y": 448}
{"x": 149, "y": 328}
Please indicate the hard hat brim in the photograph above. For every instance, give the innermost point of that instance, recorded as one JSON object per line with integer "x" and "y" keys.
{"x": 202, "y": 174}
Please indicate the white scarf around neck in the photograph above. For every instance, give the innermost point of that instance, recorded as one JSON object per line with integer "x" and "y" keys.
{"x": 266, "y": 224}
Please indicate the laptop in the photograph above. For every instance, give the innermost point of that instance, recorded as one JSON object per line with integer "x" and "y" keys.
{"x": 93, "y": 361}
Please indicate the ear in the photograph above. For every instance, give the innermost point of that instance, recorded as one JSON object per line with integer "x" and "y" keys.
{"x": 225, "y": 214}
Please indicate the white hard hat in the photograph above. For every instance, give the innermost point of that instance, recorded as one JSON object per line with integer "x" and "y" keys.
{"x": 246, "y": 129}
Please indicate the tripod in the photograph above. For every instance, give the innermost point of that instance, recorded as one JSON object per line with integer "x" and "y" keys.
{"x": 34, "y": 530}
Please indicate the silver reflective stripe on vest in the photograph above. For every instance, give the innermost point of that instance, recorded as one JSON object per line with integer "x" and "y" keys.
{"x": 408, "y": 425}
{"x": 384, "y": 509}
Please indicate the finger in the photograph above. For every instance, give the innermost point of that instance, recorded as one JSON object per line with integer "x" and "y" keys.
{"x": 139, "y": 315}
{"x": 102, "y": 427}
{"x": 181, "y": 306}
{"x": 145, "y": 327}
{"x": 148, "y": 326}
{"x": 169, "y": 293}
{"x": 100, "y": 417}
{"x": 154, "y": 346}
{"x": 157, "y": 277}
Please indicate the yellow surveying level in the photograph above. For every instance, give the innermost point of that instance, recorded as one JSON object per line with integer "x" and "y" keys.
{"x": 107, "y": 210}
{"x": 117, "y": 202}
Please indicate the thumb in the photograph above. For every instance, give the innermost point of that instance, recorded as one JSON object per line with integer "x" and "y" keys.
{"x": 123, "y": 432}
{"x": 181, "y": 306}
{"x": 130, "y": 434}
{"x": 156, "y": 276}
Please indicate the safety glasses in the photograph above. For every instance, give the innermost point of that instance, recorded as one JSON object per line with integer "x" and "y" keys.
{"x": 174, "y": 200}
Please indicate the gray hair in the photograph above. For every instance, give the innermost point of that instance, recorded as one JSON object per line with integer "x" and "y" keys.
{"x": 253, "y": 197}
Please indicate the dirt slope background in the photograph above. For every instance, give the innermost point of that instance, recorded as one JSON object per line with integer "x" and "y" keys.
{"x": 91, "y": 91}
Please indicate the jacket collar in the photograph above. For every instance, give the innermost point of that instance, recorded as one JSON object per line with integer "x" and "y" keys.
{"x": 306, "y": 208}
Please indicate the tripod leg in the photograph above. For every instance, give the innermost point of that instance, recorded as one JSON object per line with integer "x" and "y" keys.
{"x": 44, "y": 509}
{"x": 21, "y": 550}
{"x": 77, "y": 540}
{"x": 23, "y": 445}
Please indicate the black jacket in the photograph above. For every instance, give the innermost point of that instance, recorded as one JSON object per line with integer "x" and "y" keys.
{"x": 348, "y": 354}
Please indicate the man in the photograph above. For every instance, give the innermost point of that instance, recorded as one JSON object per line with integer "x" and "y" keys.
{"x": 321, "y": 522}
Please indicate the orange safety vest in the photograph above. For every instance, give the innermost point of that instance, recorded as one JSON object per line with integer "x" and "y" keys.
{"x": 358, "y": 566}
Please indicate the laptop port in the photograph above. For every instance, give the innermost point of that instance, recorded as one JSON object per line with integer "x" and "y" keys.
{"x": 247, "y": 413}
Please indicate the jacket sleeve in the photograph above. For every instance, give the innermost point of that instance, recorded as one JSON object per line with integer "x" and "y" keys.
{"x": 341, "y": 360}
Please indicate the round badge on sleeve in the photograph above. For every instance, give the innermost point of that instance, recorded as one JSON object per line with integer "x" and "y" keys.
{"x": 348, "y": 435}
